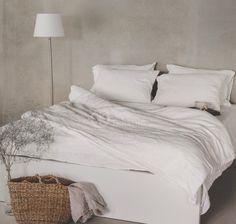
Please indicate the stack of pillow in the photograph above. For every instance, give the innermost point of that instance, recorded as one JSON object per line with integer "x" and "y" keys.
{"x": 128, "y": 83}
{"x": 189, "y": 87}
{"x": 183, "y": 87}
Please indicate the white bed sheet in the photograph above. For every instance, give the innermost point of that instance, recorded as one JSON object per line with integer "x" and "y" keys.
{"x": 228, "y": 118}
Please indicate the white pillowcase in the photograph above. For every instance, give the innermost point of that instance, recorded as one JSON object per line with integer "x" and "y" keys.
{"x": 226, "y": 87}
{"x": 125, "y": 85}
{"x": 76, "y": 92}
{"x": 149, "y": 67}
{"x": 185, "y": 90}
{"x": 79, "y": 95}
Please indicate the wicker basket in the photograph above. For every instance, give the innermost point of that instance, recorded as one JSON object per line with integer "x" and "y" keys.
{"x": 40, "y": 200}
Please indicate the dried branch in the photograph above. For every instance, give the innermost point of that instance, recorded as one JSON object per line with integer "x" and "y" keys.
{"x": 31, "y": 137}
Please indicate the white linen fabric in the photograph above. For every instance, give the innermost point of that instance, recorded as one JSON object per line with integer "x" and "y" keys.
{"x": 78, "y": 94}
{"x": 85, "y": 202}
{"x": 125, "y": 85}
{"x": 226, "y": 87}
{"x": 97, "y": 68}
{"x": 228, "y": 118}
{"x": 188, "y": 147}
{"x": 186, "y": 90}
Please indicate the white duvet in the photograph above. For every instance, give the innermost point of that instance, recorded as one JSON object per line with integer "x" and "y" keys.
{"x": 188, "y": 147}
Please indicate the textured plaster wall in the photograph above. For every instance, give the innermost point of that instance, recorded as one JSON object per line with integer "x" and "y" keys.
{"x": 200, "y": 33}
{"x": 1, "y": 60}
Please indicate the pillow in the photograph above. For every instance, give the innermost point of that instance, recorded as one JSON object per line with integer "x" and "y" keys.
{"x": 79, "y": 95}
{"x": 227, "y": 85}
{"x": 125, "y": 85}
{"x": 188, "y": 90}
{"x": 76, "y": 92}
{"x": 149, "y": 67}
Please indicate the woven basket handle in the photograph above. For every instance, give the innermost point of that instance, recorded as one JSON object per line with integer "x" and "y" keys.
{"x": 49, "y": 177}
{"x": 39, "y": 178}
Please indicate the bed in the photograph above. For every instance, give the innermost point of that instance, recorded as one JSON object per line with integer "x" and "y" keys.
{"x": 137, "y": 189}
{"x": 152, "y": 163}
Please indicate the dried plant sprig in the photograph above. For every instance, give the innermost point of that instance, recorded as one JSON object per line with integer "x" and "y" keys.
{"x": 16, "y": 137}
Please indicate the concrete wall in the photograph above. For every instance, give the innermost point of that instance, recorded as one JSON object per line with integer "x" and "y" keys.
{"x": 1, "y": 60}
{"x": 200, "y": 33}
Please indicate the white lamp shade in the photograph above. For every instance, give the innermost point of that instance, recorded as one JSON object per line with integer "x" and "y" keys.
{"x": 48, "y": 25}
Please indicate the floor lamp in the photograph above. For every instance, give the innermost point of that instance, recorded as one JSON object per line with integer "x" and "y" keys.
{"x": 49, "y": 26}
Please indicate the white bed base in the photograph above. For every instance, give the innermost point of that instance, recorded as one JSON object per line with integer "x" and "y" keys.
{"x": 131, "y": 196}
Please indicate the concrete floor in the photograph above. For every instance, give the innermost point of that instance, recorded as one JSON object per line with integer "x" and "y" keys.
{"x": 10, "y": 220}
{"x": 223, "y": 199}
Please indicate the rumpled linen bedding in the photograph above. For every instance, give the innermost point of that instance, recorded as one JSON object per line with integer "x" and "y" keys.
{"x": 190, "y": 148}
{"x": 85, "y": 202}
{"x": 228, "y": 118}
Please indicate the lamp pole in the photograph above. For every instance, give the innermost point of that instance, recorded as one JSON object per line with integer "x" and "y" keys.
{"x": 49, "y": 25}
{"x": 52, "y": 75}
